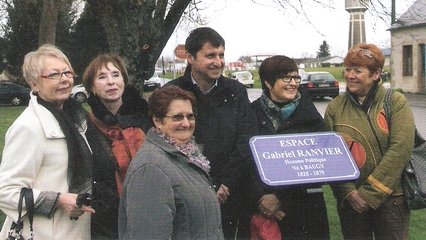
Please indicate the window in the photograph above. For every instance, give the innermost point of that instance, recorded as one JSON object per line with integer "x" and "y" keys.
{"x": 407, "y": 60}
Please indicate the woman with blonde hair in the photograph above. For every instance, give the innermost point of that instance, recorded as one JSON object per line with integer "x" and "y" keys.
{"x": 46, "y": 150}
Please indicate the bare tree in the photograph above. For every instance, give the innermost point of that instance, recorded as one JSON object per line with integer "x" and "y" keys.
{"x": 138, "y": 30}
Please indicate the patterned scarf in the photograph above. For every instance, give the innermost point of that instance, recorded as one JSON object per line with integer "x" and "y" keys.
{"x": 276, "y": 114}
{"x": 191, "y": 150}
{"x": 122, "y": 129}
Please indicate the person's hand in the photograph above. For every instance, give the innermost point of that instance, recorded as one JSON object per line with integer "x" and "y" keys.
{"x": 67, "y": 202}
{"x": 357, "y": 203}
{"x": 222, "y": 194}
{"x": 279, "y": 215}
{"x": 269, "y": 204}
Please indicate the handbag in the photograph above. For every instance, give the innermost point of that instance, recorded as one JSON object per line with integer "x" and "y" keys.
{"x": 414, "y": 174}
{"x": 16, "y": 227}
{"x": 263, "y": 228}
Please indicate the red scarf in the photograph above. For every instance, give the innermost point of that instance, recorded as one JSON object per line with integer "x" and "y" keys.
{"x": 125, "y": 144}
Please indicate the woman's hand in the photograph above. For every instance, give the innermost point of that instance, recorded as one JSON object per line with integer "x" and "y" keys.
{"x": 357, "y": 203}
{"x": 67, "y": 202}
{"x": 222, "y": 194}
{"x": 279, "y": 215}
{"x": 269, "y": 205}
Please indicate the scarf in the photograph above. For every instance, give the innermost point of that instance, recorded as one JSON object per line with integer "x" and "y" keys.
{"x": 70, "y": 119}
{"x": 369, "y": 98}
{"x": 122, "y": 129}
{"x": 277, "y": 114}
{"x": 190, "y": 150}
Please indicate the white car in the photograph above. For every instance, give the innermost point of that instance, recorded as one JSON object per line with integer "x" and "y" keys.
{"x": 154, "y": 82}
{"x": 79, "y": 93}
{"x": 244, "y": 77}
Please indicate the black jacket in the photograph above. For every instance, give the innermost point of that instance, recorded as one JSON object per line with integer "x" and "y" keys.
{"x": 224, "y": 124}
{"x": 133, "y": 113}
{"x": 306, "y": 214}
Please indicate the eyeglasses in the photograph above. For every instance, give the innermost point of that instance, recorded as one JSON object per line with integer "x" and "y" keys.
{"x": 179, "y": 117}
{"x": 57, "y": 76}
{"x": 287, "y": 79}
{"x": 366, "y": 52}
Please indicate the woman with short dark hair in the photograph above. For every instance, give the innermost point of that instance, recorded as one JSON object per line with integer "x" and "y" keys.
{"x": 285, "y": 108}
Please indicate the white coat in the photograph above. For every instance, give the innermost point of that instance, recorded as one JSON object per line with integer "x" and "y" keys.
{"x": 36, "y": 156}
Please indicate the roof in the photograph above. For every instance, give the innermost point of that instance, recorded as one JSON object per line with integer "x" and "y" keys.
{"x": 329, "y": 59}
{"x": 386, "y": 51}
{"x": 414, "y": 16}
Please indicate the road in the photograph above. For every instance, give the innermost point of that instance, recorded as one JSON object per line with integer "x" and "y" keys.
{"x": 417, "y": 103}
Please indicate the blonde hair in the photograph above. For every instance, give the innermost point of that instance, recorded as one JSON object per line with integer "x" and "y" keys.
{"x": 33, "y": 62}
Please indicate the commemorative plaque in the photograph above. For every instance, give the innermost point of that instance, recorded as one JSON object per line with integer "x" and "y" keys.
{"x": 291, "y": 159}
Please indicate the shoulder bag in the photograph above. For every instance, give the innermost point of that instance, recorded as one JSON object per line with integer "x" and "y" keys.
{"x": 16, "y": 228}
{"x": 414, "y": 174}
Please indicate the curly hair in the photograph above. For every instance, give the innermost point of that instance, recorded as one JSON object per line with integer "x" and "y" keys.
{"x": 160, "y": 99}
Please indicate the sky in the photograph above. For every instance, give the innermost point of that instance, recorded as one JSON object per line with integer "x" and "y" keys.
{"x": 250, "y": 29}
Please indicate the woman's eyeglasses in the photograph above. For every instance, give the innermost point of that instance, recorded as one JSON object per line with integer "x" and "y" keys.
{"x": 57, "y": 76}
{"x": 287, "y": 79}
{"x": 179, "y": 117}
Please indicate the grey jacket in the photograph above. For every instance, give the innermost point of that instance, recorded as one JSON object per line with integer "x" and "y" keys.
{"x": 167, "y": 197}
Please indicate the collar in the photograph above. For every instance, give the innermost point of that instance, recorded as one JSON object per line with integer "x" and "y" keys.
{"x": 198, "y": 86}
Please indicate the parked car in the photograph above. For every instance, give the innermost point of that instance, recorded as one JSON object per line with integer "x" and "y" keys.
{"x": 15, "y": 94}
{"x": 320, "y": 84}
{"x": 244, "y": 77}
{"x": 154, "y": 82}
{"x": 79, "y": 93}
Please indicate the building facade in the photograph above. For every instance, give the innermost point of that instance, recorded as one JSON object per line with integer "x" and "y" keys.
{"x": 408, "y": 49}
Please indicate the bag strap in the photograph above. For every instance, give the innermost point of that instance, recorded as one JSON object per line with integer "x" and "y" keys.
{"x": 19, "y": 223}
{"x": 386, "y": 106}
{"x": 418, "y": 139}
{"x": 29, "y": 205}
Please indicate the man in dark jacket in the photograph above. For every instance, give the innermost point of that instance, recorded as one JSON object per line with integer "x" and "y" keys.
{"x": 225, "y": 122}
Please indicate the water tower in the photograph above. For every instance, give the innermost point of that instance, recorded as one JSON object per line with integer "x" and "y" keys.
{"x": 356, "y": 9}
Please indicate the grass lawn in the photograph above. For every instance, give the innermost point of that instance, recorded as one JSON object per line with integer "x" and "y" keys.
{"x": 418, "y": 218}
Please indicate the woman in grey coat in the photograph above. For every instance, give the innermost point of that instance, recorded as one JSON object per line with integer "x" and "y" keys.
{"x": 167, "y": 193}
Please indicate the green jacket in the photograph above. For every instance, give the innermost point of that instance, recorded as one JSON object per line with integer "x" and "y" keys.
{"x": 380, "y": 156}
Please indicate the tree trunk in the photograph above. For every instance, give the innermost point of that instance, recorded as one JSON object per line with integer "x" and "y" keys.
{"x": 49, "y": 18}
{"x": 138, "y": 31}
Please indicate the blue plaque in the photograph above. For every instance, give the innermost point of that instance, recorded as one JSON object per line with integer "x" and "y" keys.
{"x": 290, "y": 159}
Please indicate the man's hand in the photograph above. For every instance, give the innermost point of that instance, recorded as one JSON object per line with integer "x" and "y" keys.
{"x": 357, "y": 203}
{"x": 222, "y": 194}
